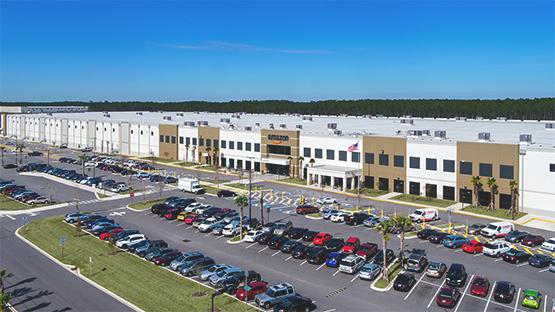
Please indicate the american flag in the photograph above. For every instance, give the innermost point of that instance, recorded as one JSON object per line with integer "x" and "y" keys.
{"x": 353, "y": 147}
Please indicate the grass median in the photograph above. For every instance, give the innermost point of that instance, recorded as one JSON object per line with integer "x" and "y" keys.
{"x": 8, "y": 204}
{"x": 146, "y": 204}
{"x": 140, "y": 282}
{"x": 428, "y": 201}
{"x": 392, "y": 273}
{"x": 498, "y": 213}
{"x": 294, "y": 181}
{"x": 368, "y": 192}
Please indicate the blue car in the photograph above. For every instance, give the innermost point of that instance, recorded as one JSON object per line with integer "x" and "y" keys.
{"x": 454, "y": 241}
{"x": 334, "y": 258}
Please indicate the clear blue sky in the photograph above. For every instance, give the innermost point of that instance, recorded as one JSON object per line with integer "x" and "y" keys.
{"x": 302, "y": 51}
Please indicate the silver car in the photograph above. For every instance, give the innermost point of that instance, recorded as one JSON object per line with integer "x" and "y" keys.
{"x": 217, "y": 279}
{"x": 370, "y": 271}
{"x": 206, "y": 274}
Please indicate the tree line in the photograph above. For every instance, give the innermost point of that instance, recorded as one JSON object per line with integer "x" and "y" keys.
{"x": 526, "y": 109}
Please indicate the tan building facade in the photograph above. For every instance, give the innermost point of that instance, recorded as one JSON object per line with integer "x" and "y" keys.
{"x": 383, "y": 161}
{"x": 208, "y": 138}
{"x": 276, "y": 148}
{"x": 168, "y": 147}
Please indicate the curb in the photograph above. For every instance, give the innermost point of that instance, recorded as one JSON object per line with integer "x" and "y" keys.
{"x": 237, "y": 242}
{"x": 314, "y": 218}
{"x": 69, "y": 267}
{"x": 388, "y": 288}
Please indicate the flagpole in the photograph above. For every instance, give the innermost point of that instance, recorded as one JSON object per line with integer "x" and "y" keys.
{"x": 358, "y": 174}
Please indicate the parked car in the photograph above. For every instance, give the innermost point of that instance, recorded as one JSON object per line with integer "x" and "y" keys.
{"x": 215, "y": 269}
{"x": 504, "y": 292}
{"x": 269, "y": 227}
{"x": 404, "y": 282}
{"x": 296, "y": 232}
{"x": 476, "y": 228}
{"x": 252, "y": 236}
{"x": 370, "y": 271}
{"x": 339, "y": 217}
{"x": 10, "y": 166}
{"x": 307, "y": 209}
{"x": 549, "y": 244}
{"x": 310, "y": 235}
{"x": 473, "y": 247}
{"x": 158, "y": 253}
{"x": 516, "y": 236}
{"x": 275, "y": 295}
{"x": 321, "y": 239}
{"x": 289, "y": 246}
{"x": 425, "y": 233}
{"x": 196, "y": 266}
{"x": 448, "y": 297}
{"x": 208, "y": 224}
{"x": 456, "y": 276}
{"x": 126, "y": 241}
{"x": 72, "y": 217}
{"x": 226, "y": 193}
{"x": 436, "y": 269}
{"x": 416, "y": 262}
{"x": 277, "y": 241}
{"x": 356, "y": 219}
{"x": 480, "y": 286}
{"x": 317, "y": 255}
{"x": 390, "y": 257}
{"x": 216, "y": 280}
{"x": 516, "y": 256}
{"x": 532, "y": 298}
{"x": 301, "y": 251}
{"x": 232, "y": 283}
{"x": 283, "y": 227}
{"x": 496, "y": 248}
{"x": 454, "y": 241}
{"x": 264, "y": 238}
{"x": 295, "y": 303}
{"x": 334, "y": 259}
{"x": 326, "y": 213}
{"x": 351, "y": 264}
{"x": 437, "y": 237}
{"x": 326, "y": 201}
{"x": 184, "y": 258}
{"x": 351, "y": 246}
{"x": 367, "y": 250}
{"x": 533, "y": 240}
{"x": 167, "y": 258}
{"x": 335, "y": 244}
{"x": 251, "y": 290}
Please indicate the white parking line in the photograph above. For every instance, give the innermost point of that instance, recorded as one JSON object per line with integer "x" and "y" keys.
{"x": 320, "y": 266}
{"x": 517, "y": 297}
{"x": 219, "y": 237}
{"x": 498, "y": 260}
{"x": 422, "y": 242}
{"x": 544, "y": 270}
{"x": 180, "y": 224}
{"x": 330, "y": 310}
{"x": 276, "y": 253}
{"x": 172, "y": 221}
{"x": 490, "y": 294}
{"x": 188, "y": 228}
{"x": 334, "y": 274}
{"x": 207, "y": 234}
{"x": 303, "y": 262}
{"x": 413, "y": 287}
{"x": 545, "y": 304}
{"x": 434, "y": 297}
{"x": 354, "y": 278}
{"x": 261, "y": 250}
{"x": 464, "y": 293}
{"x": 477, "y": 255}
{"x": 288, "y": 258}
{"x": 522, "y": 264}
{"x": 249, "y": 246}
{"x": 10, "y": 217}
{"x": 459, "y": 250}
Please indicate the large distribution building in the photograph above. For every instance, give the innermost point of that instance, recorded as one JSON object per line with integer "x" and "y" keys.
{"x": 421, "y": 156}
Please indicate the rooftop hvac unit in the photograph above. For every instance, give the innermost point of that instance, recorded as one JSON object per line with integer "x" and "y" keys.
{"x": 299, "y": 127}
{"x": 139, "y": 113}
{"x": 196, "y": 112}
{"x": 407, "y": 116}
{"x": 549, "y": 126}
{"x": 106, "y": 115}
{"x": 50, "y": 114}
{"x": 179, "y": 114}
{"x": 248, "y": 128}
{"x": 461, "y": 119}
{"x": 189, "y": 123}
{"x": 236, "y": 116}
{"x": 408, "y": 122}
{"x": 337, "y": 132}
{"x": 426, "y": 132}
{"x": 282, "y": 126}
{"x": 160, "y": 111}
{"x": 167, "y": 117}
{"x": 206, "y": 112}
{"x": 379, "y": 115}
{"x": 297, "y": 115}
{"x": 367, "y": 116}
{"x": 480, "y": 118}
{"x": 286, "y": 114}
{"x": 225, "y": 120}
{"x": 414, "y": 133}
{"x": 332, "y": 126}
{"x": 105, "y": 112}
{"x": 231, "y": 127}
{"x": 440, "y": 134}
{"x": 344, "y": 115}
{"x": 525, "y": 138}
{"x": 501, "y": 118}
{"x": 484, "y": 136}
{"x": 307, "y": 119}
{"x": 257, "y": 125}
{"x": 202, "y": 123}
{"x": 271, "y": 126}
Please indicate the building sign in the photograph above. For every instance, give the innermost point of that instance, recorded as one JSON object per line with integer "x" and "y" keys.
{"x": 277, "y": 139}
{"x": 276, "y": 161}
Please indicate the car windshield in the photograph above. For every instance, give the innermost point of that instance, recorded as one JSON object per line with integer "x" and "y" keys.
{"x": 511, "y": 252}
{"x": 313, "y": 254}
{"x": 413, "y": 262}
{"x": 346, "y": 262}
{"x": 434, "y": 266}
{"x": 479, "y": 283}
{"x": 207, "y": 222}
{"x": 419, "y": 213}
{"x": 350, "y": 244}
{"x": 449, "y": 238}
{"x": 445, "y": 295}
{"x": 490, "y": 246}
{"x": 474, "y": 226}
{"x": 504, "y": 288}
{"x": 455, "y": 272}
{"x": 189, "y": 264}
{"x": 281, "y": 226}
{"x": 551, "y": 241}
{"x": 367, "y": 269}
{"x": 247, "y": 288}
{"x": 492, "y": 227}
{"x": 286, "y": 303}
{"x": 221, "y": 273}
{"x": 530, "y": 297}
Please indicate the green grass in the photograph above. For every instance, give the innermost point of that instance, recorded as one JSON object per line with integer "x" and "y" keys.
{"x": 9, "y": 204}
{"x": 445, "y": 226}
{"x": 211, "y": 190}
{"x": 135, "y": 191}
{"x": 410, "y": 234}
{"x": 392, "y": 272}
{"x": 159, "y": 159}
{"x": 315, "y": 215}
{"x": 369, "y": 192}
{"x": 146, "y": 204}
{"x": 187, "y": 164}
{"x": 294, "y": 181}
{"x": 173, "y": 184}
{"x": 215, "y": 181}
{"x": 499, "y": 213}
{"x": 442, "y": 203}
{"x": 100, "y": 195}
{"x": 242, "y": 186}
{"x": 210, "y": 167}
{"x": 235, "y": 239}
{"x": 132, "y": 278}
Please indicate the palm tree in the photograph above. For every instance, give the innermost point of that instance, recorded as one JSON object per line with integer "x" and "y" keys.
{"x": 194, "y": 149}
{"x": 513, "y": 210}
{"x": 402, "y": 222}
{"x": 240, "y": 201}
{"x": 301, "y": 159}
{"x": 383, "y": 228}
{"x": 2, "y": 148}
{"x": 19, "y": 147}
{"x": 492, "y": 184}
{"x": 312, "y": 161}
{"x": 208, "y": 158}
{"x": 187, "y": 146}
{"x": 477, "y": 182}
{"x": 290, "y": 166}
{"x": 216, "y": 150}
{"x": 3, "y": 276}
{"x": 82, "y": 158}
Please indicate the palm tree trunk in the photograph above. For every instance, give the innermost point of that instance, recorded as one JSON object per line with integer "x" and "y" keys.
{"x": 241, "y": 222}
{"x": 491, "y": 205}
{"x": 402, "y": 245}
{"x": 476, "y": 201}
{"x": 384, "y": 269}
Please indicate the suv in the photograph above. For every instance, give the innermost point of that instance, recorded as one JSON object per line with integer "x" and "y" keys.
{"x": 456, "y": 276}
{"x": 304, "y": 209}
{"x": 352, "y": 245}
{"x": 197, "y": 266}
{"x": 351, "y": 264}
{"x": 206, "y": 274}
{"x": 142, "y": 251}
{"x": 283, "y": 227}
{"x": 179, "y": 262}
{"x": 216, "y": 280}
{"x": 356, "y": 219}
{"x": 496, "y": 248}
{"x": 417, "y": 263}
{"x": 275, "y": 295}
{"x": 131, "y": 239}
{"x": 317, "y": 255}
{"x": 232, "y": 283}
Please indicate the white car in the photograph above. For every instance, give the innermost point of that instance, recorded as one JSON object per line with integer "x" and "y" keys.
{"x": 84, "y": 181}
{"x": 192, "y": 207}
{"x": 231, "y": 230}
{"x": 252, "y": 236}
{"x": 120, "y": 187}
{"x": 143, "y": 175}
{"x": 326, "y": 201}
{"x": 208, "y": 224}
{"x": 90, "y": 164}
{"x": 549, "y": 244}
{"x": 338, "y": 217}
{"x": 496, "y": 248}
{"x": 200, "y": 209}
{"x": 131, "y": 239}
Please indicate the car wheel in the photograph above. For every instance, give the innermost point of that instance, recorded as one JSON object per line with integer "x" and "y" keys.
{"x": 189, "y": 274}
{"x": 474, "y": 252}
{"x": 517, "y": 261}
{"x": 71, "y": 221}
{"x": 317, "y": 210}
{"x": 141, "y": 254}
{"x": 494, "y": 236}
{"x": 306, "y": 309}
{"x": 267, "y": 305}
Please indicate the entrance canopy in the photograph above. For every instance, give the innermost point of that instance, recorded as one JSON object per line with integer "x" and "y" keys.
{"x": 336, "y": 176}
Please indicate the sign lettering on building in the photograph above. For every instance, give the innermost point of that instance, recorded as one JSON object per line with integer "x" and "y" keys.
{"x": 277, "y": 139}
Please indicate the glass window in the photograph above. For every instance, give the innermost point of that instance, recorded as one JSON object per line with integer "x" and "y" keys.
{"x": 167, "y": 139}
{"x": 247, "y": 146}
{"x": 414, "y": 162}
{"x": 330, "y": 154}
{"x": 448, "y": 192}
{"x": 486, "y": 170}
{"x": 161, "y": 138}
{"x": 200, "y": 142}
{"x": 384, "y": 159}
{"x": 307, "y": 152}
{"x": 431, "y": 164}
{"x": 465, "y": 167}
{"x": 551, "y": 167}
{"x": 151, "y": 133}
{"x": 224, "y": 144}
{"x": 231, "y": 145}
{"x": 194, "y": 141}
{"x": 173, "y": 139}
{"x": 188, "y": 140}
{"x": 257, "y": 147}
{"x": 355, "y": 157}
{"x": 279, "y": 149}
{"x": 318, "y": 153}
{"x": 398, "y": 161}
{"x": 216, "y": 144}
{"x": 448, "y": 165}
{"x": 506, "y": 172}
{"x": 180, "y": 140}
{"x": 369, "y": 158}
{"x": 239, "y": 146}
{"x": 343, "y": 155}
{"x": 208, "y": 143}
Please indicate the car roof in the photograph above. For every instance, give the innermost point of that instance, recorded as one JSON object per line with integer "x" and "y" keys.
{"x": 353, "y": 239}
{"x": 531, "y": 292}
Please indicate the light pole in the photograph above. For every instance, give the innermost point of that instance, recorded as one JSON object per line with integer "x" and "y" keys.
{"x": 216, "y": 293}
{"x": 250, "y": 186}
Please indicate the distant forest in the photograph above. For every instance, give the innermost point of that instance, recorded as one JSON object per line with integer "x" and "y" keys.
{"x": 527, "y": 109}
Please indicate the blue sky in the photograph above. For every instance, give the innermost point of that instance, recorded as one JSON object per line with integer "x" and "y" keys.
{"x": 301, "y": 51}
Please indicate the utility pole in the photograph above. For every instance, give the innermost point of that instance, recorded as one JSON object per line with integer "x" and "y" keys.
{"x": 250, "y": 193}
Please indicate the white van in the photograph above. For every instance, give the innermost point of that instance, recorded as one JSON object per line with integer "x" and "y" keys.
{"x": 427, "y": 214}
{"x": 497, "y": 229}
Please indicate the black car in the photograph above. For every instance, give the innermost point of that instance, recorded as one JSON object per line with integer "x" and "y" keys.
{"x": 264, "y": 238}
{"x": 540, "y": 261}
{"x": 516, "y": 236}
{"x": 105, "y": 229}
{"x": 170, "y": 199}
{"x": 297, "y": 232}
{"x": 390, "y": 257}
{"x": 404, "y": 282}
{"x": 516, "y": 256}
{"x": 504, "y": 292}
{"x": 10, "y": 166}
{"x": 210, "y": 212}
{"x": 125, "y": 233}
{"x": 277, "y": 241}
{"x": 159, "y": 209}
{"x": 456, "y": 276}
{"x": 317, "y": 255}
{"x": 437, "y": 237}
{"x": 232, "y": 283}
{"x": 134, "y": 246}
{"x": 35, "y": 153}
{"x": 356, "y": 218}
{"x": 295, "y": 303}
{"x": 156, "y": 178}
{"x": 309, "y": 236}
{"x": 335, "y": 244}
{"x": 425, "y": 233}
{"x": 289, "y": 246}
{"x": 300, "y": 251}
{"x": 226, "y": 193}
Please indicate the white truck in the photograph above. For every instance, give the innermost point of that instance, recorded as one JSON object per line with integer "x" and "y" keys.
{"x": 190, "y": 185}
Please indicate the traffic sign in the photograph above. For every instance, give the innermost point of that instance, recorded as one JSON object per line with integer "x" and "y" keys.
{"x": 63, "y": 240}
{"x": 141, "y": 180}
{"x": 131, "y": 194}
{"x": 24, "y": 219}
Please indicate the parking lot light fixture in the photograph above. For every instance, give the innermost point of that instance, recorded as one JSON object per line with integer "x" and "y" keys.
{"x": 216, "y": 293}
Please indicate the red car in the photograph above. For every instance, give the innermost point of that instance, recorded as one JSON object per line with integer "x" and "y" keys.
{"x": 448, "y": 297}
{"x": 367, "y": 250}
{"x": 251, "y": 290}
{"x": 351, "y": 245}
{"x": 480, "y": 286}
{"x": 473, "y": 247}
{"x": 190, "y": 219}
{"x": 106, "y": 236}
{"x": 533, "y": 240}
{"x": 321, "y": 239}
{"x": 166, "y": 259}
